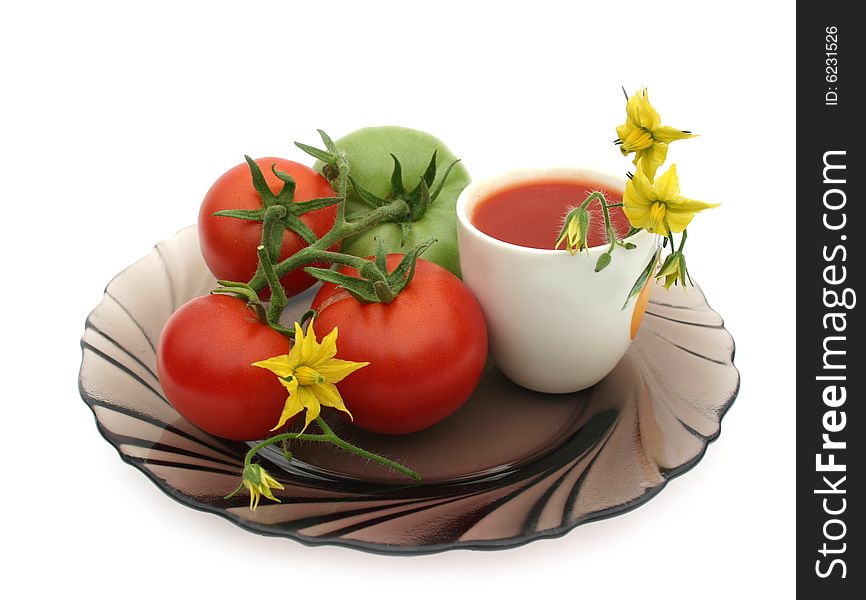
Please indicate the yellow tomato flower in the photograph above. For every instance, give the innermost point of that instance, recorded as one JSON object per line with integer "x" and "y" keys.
{"x": 309, "y": 371}
{"x": 674, "y": 270}
{"x": 658, "y": 207}
{"x": 574, "y": 231}
{"x": 644, "y": 134}
{"x": 259, "y": 483}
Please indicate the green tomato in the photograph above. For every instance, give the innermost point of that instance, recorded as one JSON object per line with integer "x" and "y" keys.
{"x": 371, "y": 166}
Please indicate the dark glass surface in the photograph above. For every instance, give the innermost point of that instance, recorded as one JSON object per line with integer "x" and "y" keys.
{"x": 509, "y": 467}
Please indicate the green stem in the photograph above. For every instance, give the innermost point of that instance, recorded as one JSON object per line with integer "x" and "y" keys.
{"x": 339, "y": 258}
{"x": 607, "y": 225}
{"x": 306, "y": 437}
{"x": 272, "y": 229}
{"x": 591, "y": 197}
{"x": 342, "y": 187}
{"x": 682, "y": 241}
{"x": 328, "y": 435}
{"x": 365, "y": 268}
{"x": 278, "y": 293}
{"x": 604, "y": 211}
{"x": 317, "y": 252}
{"x": 341, "y": 443}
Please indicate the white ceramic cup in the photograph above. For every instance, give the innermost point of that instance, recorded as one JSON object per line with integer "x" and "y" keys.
{"x": 554, "y": 324}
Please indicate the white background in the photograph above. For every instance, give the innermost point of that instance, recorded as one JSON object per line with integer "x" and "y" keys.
{"x": 116, "y": 118}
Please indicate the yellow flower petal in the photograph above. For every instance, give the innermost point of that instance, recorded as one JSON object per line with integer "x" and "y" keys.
{"x": 683, "y": 203}
{"x": 308, "y": 400}
{"x": 292, "y": 407}
{"x": 329, "y": 395}
{"x": 305, "y": 343}
{"x": 651, "y": 158}
{"x": 335, "y": 370}
{"x": 632, "y": 114}
{"x": 327, "y": 349}
{"x": 290, "y": 383}
{"x": 560, "y": 240}
{"x": 638, "y": 216}
{"x": 666, "y": 134}
{"x": 640, "y": 112}
{"x": 657, "y": 218}
{"x": 270, "y": 481}
{"x": 638, "y": 139}
{"x": 267, "y": 493}
{"x": 636, "y": 201}
{"x": 667, "y": 187}
{"x": 267, "y": 483}
{"x": 254, "y": 494}
{"x": 573, "y": 235}
{"x": 573, "y": 228}
{"x": 304, "y": 346}
{"x": 681, "y": 210}
{"x": 299, "y": 342}
{"x": 643, "y": 191}
{"x": 623, "y": 131}
{"x": 281, "y": 366}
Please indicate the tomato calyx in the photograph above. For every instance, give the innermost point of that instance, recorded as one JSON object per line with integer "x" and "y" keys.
{"x": 266, "y": 315}
{"x": 418, "y": 199}
{"x": 375, "y": 283}
{"x": 279, "y": 211}
{"x": 317, "y": 252}
{"x": 244, "y": 292}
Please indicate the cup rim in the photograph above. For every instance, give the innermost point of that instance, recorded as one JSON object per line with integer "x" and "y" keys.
{"x": 509, "y": 178}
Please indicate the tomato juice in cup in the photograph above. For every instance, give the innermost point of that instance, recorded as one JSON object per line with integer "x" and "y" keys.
{"x": 554, "y": 324}
{"x": 531, "y": 214}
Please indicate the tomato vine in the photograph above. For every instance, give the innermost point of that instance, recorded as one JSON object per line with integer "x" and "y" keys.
{"x": 374, "y": 283}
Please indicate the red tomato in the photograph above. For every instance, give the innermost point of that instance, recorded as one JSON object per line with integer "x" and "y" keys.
{"x": 426, "y": 349}
{"x": 204, "y": 364}
{"x": 229, "y": 244}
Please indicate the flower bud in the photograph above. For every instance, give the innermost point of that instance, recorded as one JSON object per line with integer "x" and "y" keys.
{"x": 602, "y": 262}
{"x": 573, "y": 231}
{"x": 674, "y": 270}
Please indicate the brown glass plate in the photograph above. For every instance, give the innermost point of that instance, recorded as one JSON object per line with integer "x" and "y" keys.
{"x": 509, "y": 467}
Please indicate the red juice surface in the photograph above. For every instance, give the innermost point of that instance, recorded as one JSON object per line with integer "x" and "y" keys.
{"x": 531, "y": 214}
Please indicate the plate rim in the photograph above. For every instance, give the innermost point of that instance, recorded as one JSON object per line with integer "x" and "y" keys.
{"x": 667, "y": 475}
